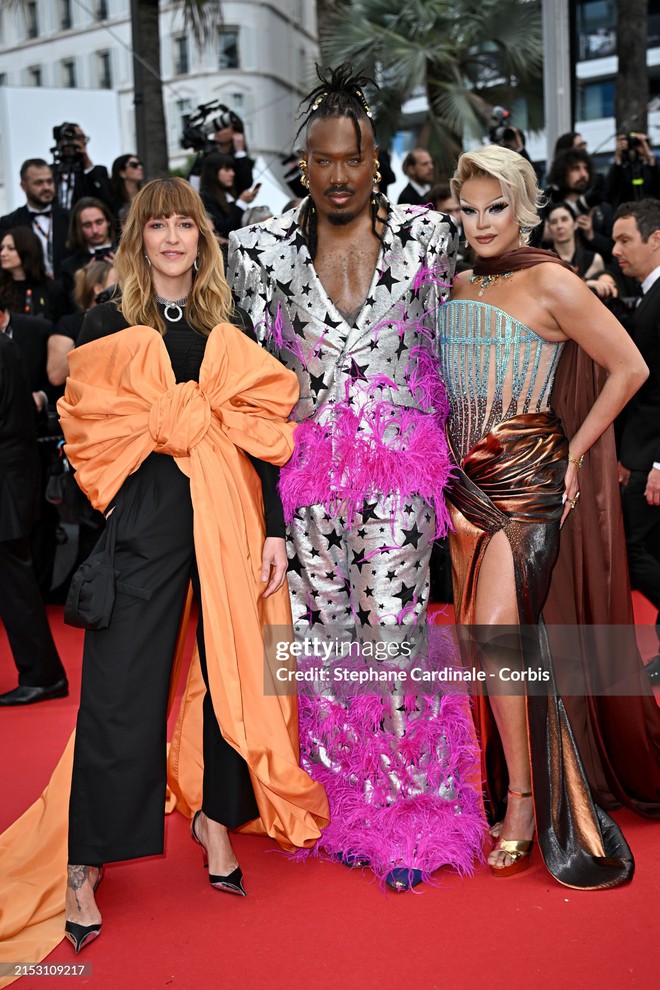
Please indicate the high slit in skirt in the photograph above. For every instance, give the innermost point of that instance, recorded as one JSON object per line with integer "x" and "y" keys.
{"x": 512, "y": 480}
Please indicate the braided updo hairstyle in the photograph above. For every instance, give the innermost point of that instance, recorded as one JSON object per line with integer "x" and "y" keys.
{"x": 340, "y": 93}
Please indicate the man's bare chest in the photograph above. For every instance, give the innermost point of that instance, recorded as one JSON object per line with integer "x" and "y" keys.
{"x": 346, "y": 274}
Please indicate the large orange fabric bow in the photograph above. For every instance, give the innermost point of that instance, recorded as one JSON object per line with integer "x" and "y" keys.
{"x": 121, "y": 404}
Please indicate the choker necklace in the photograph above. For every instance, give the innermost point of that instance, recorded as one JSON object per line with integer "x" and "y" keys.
{"x": 175, "y": 305}
{"x": 485, "y": 280}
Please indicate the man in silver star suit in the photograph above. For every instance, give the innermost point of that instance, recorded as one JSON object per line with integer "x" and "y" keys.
{"x": 345, "y": 290}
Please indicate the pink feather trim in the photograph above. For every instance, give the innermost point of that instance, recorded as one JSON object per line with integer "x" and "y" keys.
{"x": 368, "y": 447}
{"x": 431, "y": 817}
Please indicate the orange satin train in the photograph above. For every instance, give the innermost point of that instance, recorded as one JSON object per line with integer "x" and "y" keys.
{"x": 121, "y": 404}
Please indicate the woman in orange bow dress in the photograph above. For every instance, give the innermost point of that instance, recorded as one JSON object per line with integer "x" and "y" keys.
{"x": 164, "y": 400}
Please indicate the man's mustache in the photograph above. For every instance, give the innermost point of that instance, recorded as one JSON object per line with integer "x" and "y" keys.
{"x": 338, "y": 189}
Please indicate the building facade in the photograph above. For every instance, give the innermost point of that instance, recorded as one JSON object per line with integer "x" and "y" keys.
{"x": 259, "y": 62}
{"x": 596, "y": 70}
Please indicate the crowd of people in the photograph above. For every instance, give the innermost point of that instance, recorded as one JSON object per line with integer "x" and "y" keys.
{"x": 56, "y": 262}
{"x": 342, "y": 388}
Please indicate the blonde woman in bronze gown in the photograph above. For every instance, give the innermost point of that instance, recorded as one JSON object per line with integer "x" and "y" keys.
{"x": 517, "y": 482}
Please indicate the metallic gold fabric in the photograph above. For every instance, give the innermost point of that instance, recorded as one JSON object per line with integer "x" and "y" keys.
{"x": 512, "y": 480}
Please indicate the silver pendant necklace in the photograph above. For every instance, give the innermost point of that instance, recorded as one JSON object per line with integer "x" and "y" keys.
{"x": 176, "y": 305}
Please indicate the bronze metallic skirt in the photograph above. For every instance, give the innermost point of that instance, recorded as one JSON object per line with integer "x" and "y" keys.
{"x": 512, "y": 481}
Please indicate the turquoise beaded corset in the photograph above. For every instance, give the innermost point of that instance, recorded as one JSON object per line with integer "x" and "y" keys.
{"x": 494, "y": 368}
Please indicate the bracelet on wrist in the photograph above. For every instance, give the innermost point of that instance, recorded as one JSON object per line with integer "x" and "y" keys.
{"x": 576, "y": 460}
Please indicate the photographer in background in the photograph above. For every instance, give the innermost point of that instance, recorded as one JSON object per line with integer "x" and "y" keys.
{"x": 635, "y": 174}
{"x": 571, "y": 181}
{"x": 75, "y": 174}
{"x": 228, "y": 138}
{"x": 91, "y": 238}
{"x": 503, "y": 132}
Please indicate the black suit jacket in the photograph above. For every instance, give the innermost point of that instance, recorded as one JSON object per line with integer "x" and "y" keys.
{"x": 94, "y": 183}
{"x": 640, "y": 441}
{"x": 23, "y": 218}
{"x": 19, "y": 469}
{"x": 410, "y": 197}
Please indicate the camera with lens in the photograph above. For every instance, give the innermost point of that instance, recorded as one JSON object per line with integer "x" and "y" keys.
{"x": 195, "y": 129}
{"x": 67, "y": 140}
{"x": 631, "y": 153}
{"x": 499, "y": 132}
{"x": 227, "y": 118}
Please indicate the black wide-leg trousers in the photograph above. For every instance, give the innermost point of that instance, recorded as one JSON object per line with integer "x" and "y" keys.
{"x": 119, "y": 772}
{"x": 642, "y": 525}
{"x": 24, "y": 616}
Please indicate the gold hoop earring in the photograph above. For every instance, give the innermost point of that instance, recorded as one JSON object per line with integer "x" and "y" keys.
{"x": 302, "y": 165}
{"x": 304, "y": 180}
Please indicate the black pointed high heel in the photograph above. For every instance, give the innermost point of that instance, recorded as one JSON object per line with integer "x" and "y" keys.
{"x": 82, "y": 935}
{"x": 233, "y": 882}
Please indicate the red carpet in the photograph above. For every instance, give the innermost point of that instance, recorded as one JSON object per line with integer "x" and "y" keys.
{"x": 320, "y": 925}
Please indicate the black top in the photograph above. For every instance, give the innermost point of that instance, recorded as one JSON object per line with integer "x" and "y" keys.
{"x": 185, "y": 347}
{"x": 223, "y": 221}
{"x": 582, "y": 259}
{"x": 31, "y": 333}
{"x": 46, "y": 299}
{"x": 410, "y": 197}
{"x": 70, "y": 325}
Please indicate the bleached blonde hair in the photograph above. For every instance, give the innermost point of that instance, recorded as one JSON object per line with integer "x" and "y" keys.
{"x": 515, "y": 175}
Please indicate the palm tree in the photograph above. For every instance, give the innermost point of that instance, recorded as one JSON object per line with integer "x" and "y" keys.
{"x": 632, "y": 83}
{"x": 466, "y": 55}
{"x": 201, "y": 17}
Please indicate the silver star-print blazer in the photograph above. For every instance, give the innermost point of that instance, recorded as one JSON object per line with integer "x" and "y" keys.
{"x": 353, "y": 378}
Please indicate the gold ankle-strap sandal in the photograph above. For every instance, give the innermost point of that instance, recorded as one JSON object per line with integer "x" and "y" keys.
{"x": 518, "y": 850}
